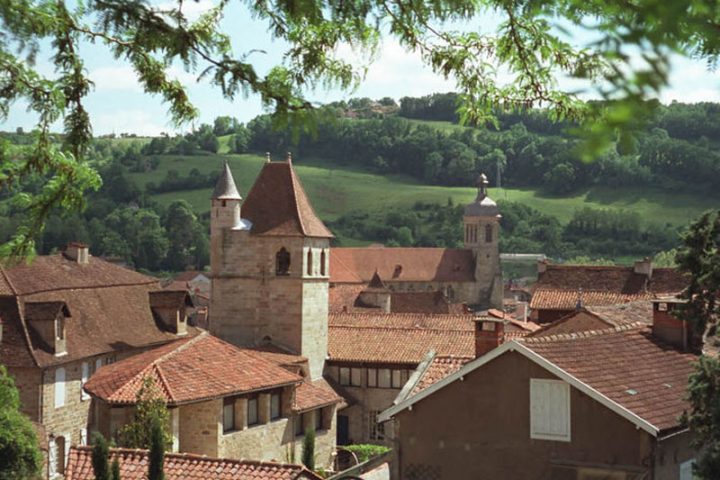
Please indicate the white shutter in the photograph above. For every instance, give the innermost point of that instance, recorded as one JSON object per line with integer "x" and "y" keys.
{"x": 83, "y": 436}
{"x": 59, "y": 387}
{"x": 68, "y": 442}
{"x": 85, "y": 374}
{"x": 52, "y": 457}
{"x": 549, "y": 410}
{"x": 686, "y": 470}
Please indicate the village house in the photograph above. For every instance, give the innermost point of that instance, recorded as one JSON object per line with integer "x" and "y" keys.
{"x": 184, "y": 466}
{"x": 224, "y": 401}
{"x": 65, "y": 316}
{"x": 567, "y": 402}
{"x": 561, "y": 289}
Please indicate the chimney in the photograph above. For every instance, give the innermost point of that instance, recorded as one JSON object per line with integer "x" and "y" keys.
{"x": 541, "y": 266}
{"x": 489, "y": 334}
{"x": 79, "y": 252}
{"x": 644, "y": 267}
{"x": 666, "y": 326}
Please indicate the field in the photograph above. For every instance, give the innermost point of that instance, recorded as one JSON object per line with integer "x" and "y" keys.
{"x": 335, "y": 190}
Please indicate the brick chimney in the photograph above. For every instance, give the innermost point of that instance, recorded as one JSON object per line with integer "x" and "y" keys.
{"x": 667, "y": 327}
{"x": 489, "y": 334}
{"x": 644, "y": 267}
{"x": 79, "y": 252}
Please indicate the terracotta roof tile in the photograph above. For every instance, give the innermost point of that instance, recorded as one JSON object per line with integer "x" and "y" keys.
{"x": 278, "y": 205}
{"x": 440, "y": 367}
{"x": 352, "y": 265}
{"x": 16, "y": 347}
{"x": 626, "y": 364}
{"x": 599, "y": 317}
{"x": 315, "y": 394}
{"x": 184, "y": 466}
{"x": 189, "y": 371}
{"x": 398, "y": 338}
{"x": 557, "y": 288}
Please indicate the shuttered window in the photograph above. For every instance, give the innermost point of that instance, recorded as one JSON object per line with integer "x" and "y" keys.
{"x": 549, "y": 410}
{"x": 59, "y": 387}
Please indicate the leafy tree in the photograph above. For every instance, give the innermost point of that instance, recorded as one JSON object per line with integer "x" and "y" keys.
{"x": 185, "y": 236}
{"x": 100, "y": 455}
{"x": 704, "y": 416}
{"x": 157, "y": 450}
{"x": 20, "y": 457}
{"x": 153, "y": 37}
{"x": 150, "y": 412}
{"x": 308, "y": 449}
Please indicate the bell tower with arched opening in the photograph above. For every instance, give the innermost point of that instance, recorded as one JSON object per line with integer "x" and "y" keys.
{"x": 482, "y": 235}
{"x": 270, "y": 267}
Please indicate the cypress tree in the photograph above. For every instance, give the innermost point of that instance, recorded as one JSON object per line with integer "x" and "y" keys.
{"x": 100, "y": 456}
{"x": 115, "y": 470}
{"x": 308, "y": 450}
{"x": 157, "y": 451}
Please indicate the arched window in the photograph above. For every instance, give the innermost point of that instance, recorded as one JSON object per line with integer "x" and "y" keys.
{"x": 282, "y": 262}
{"x": 322, "y": 262}
{"x": 309, "y": 262}
{"x": 488, "y": 233}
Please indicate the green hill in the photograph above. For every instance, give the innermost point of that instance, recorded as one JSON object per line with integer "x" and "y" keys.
{"x": 335, "y": 190}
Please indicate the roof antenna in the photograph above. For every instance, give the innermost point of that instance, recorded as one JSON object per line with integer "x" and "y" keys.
{"x": 267, "y": 157}
{"x": 289, "y": 157}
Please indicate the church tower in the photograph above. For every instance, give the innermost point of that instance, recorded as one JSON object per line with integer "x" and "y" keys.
{"x": 270, "y": 266}
{"x": 482, "y": 235}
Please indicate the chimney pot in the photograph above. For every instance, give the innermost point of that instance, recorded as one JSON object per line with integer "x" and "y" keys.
{"x": 489, "y": 334}
{"x": 80, "y": 252}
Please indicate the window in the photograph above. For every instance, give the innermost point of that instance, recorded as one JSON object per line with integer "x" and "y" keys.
{"x": 356, "y": 377}
{"x": 83, "y": 379}
{"x": 57, "y": 457}
{"x": 377, "y": 430}
{"x": 228, "y": 415}
{"x": 252, "y": 411}
{"x": 300, "y": 424}
{"x": 488, "y": 233}
{"x": 282, "y": 262}
{"x": 372, "y": 377}
{"x": 344, "y": 376}
{"x": 686, "y": 470}
{"x": 549, "y": 410}
{"x": 322, "y": 262}
{"x": 59, "y": 387}
{"x": 399, "y": 377}
{"x": 309, "y": 262}
{"x": 275, "y": 406}
{"x": 83, "y": 436}
{"x": 384, "y": 380}
{"x": 318, "y": 419}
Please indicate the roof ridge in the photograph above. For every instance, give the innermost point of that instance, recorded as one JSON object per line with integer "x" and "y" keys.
{"x": 390, "y": 327}
{"x": 584, "y": 334}
{"x": 405, "y": 314}
{"x": 293, "y": 181}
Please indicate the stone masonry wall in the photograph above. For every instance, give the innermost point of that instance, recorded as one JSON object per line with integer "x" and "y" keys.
{"x": 201, "y": 428}
{"x": 28, "y": 381}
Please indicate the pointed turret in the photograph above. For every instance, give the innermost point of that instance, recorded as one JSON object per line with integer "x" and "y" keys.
{"x": 225, "y": 188}
{"x": 483, "y": 206}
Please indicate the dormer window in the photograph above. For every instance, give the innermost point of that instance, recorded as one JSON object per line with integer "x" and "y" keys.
{"x": 282, "y": 262}
{"x": 47, "y": 321}
{"x": 169, "y": 307}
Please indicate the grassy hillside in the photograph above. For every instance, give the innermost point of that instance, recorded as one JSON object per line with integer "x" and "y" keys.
{"x": 336, "y": 190}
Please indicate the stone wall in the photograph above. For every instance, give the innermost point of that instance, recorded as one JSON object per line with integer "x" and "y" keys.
{"x": 28, "y": 382}
{"x": 201, "y": 428}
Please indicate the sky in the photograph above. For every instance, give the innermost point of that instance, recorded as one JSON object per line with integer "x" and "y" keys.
{"x": 118, "y": 104}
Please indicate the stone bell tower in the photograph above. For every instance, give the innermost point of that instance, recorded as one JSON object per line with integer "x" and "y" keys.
{"x": 270, "y": 266}
{"x": 482, "y": 235}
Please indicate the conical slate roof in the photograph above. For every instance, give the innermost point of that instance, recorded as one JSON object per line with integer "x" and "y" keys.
{"x": 225, "y": 188}
{"x": 483, "y": 206}
{"x": 278, "y": 205}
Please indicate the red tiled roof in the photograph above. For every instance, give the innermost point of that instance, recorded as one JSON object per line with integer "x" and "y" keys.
{"x": 353, "y": 265}
{"x": 558, "y": 287}
{"x": 345, "y": 298}
{"x": 56, "y": 272}
{"x": 188, "y": 275}
{"x": 626, "y": 364}
{"x": 184, "y": 466}
{"x": 189, "y": 371}
{"x": 310, "y": 395}
{"x": 398, "y": 338}
{"x": 440, "y": 367}
{"x": 277, "y": 205}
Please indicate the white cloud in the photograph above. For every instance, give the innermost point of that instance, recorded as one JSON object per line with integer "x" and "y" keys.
{"x": 122, "y": 120}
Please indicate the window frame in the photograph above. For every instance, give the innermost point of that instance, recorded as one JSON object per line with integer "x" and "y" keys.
{"x": 535, "y": 384}
{"x": 381, "y": 378}
{"x": 229, "y": 402}
{"x": 344, "y": 382}
{"x": 253, "y": 399}
{"x": 319, "y": 420}
{"x": 278, "y": 396}
{"x": 372, "y": 380}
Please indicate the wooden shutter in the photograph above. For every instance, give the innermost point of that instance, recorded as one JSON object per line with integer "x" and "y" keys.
{"x": 59, "y": 387}
{"x": 549, "y": 410}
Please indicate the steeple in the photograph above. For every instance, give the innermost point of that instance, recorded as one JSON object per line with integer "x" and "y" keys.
{"x": 225, "y": 188}
{"x": 483, "y": 206}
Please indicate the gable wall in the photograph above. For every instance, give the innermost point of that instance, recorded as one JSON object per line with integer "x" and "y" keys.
{"x": 480, "y": 428}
